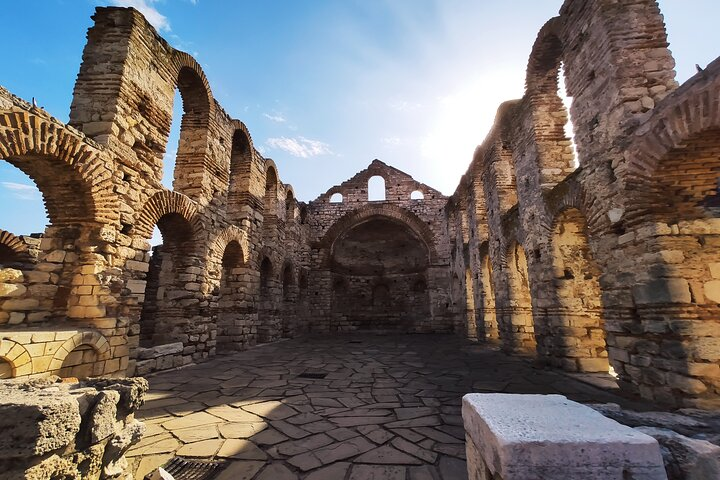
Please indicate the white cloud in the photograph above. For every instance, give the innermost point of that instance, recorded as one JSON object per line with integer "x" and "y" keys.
{"x": 300, "y": 147}
{"x": 146, "y": 7}
{"x": 393, "y": 141}
{"x": 276, "y": 117}
{"x": 22, "y": 191}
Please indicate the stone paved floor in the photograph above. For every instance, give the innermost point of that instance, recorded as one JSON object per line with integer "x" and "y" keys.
{"x": 388, "y": 408}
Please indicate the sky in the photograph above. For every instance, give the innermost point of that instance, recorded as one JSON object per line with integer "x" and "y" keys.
{"x": 324, "y": 86}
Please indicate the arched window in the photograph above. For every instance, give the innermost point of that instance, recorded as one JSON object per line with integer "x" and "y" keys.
{"x": 240, "y": 167}
{"x": 336, "y": 198}
{"x": 289, "y": 205}
{"x": 376, "y": 188}
{"x": 417, "y": 195}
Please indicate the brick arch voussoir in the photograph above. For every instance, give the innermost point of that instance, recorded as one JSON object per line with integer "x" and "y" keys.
{"x": 545, "y": 54}
{"x": 182, "y": 60}
{"x": 23, "y": 134}
{"x": 14, "y": 243}
{"x": 223, "y": 239}
{"x": 395, "y": 212}
{"x": 238, "y": 125}
{"x": 94, "y": 339}
{"x": 162, "y": 203}
{"x": 687, "y": 113}
{"x": 17, "y": 356}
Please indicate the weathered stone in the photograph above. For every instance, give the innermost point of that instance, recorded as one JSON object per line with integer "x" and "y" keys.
{"x": 686, "y": 458}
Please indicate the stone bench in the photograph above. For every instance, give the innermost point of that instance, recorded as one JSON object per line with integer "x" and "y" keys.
{"x": 528, "y": 437}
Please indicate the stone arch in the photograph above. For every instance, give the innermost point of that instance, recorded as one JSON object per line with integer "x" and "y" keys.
{"x": 230, "y": 234}
{"x": 555, "y": 155}
{"x": 289, "y": 203}
{"x": 685, "y": 124}
{"x": 577, "y": 299}
{"x": 94, "y": 339}
{"x": 17, "y": 357}
{"x": 12, "y": 249}
{"x": 198, "y": 109}
{"x": 366, "y": 212}
{"x": 487, "y": 297}
{"x": 521, "y": 319}
{"x": 241, "y": 158}
{"x": 162, "y": 203}
{"x": 80, "y": 186}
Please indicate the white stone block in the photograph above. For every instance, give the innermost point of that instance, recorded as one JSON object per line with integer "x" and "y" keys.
{"x": 527, "y": 437}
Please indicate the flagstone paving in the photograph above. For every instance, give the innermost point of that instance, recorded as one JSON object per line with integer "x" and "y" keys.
{"x": 388, "y": 407}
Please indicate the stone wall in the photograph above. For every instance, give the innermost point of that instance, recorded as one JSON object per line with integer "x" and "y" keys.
{"x": 378, "y": 265}
{"x": 600, "y": 253}
{"x": 92, "y": 271}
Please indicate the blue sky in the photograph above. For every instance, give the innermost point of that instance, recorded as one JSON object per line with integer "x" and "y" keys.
{"x": 325, "y": 86}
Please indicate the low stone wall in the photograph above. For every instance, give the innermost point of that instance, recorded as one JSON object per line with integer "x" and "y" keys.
{"x": 162, "y": 357}
{"x": 54, "y": 430}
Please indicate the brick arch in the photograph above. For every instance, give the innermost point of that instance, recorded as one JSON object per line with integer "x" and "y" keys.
{"x": 366, "y": 212}
{"x": 568, "y": 195}
{"x": 198, "y": 109}
{"x": 549, "y": 116}
{"x": 232, "y": 233}
{"x": 688, "y": 114}
{"x": 94, "y": 339}
{"x": 17, "y": 356}
{"x": 545, "y": 59}
{"x": 162, "y": 203}
{"x": 73, "y": 176}
{"x": 15, "y": 245}
{"x": 181, "y": 61}
{"x": 242, "y": 153}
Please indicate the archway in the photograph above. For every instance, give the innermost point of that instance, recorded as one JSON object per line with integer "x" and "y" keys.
{"x": 488, "y": 299}
{"x": 378, "y": 262}
{"x": 521, "y": 318}
{"x": 575, "y": 337}
{"x": 164, "y": 289}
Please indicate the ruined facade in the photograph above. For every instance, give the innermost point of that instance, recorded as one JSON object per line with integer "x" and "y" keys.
{"x": 587, "y": 256}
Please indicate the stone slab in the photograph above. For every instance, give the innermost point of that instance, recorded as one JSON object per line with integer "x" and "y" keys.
{"x": 550, "y": 437}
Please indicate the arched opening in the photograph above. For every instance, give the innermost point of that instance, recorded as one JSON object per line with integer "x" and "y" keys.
{"x": 190, "y": 158}
{"x": 168, "y": 165}
{"x": 377, "y": 262}
{"x": 287, "y": 283}
{"x": 522, "y": 334}
{"x": 303, "y": 215}
{"x": 269, "y": 311}
{"x": 471, "y": 329}
{"x": 270, "y": 208}
{"x": 336, "y": 198}
{"x": 81, "y": 363}
{"x": 164, "y": 287}
{"x": 547, "y": 89}
{"x": 266, "y": 271}
{"x": 488, "y": 299}
{"x": 240, "y": 170}
{"x": 577, "y": 290}
{"x": 376, "y": 188}
{"x": 17, "y": 188}
{"x": 289, "y": 206}
{"x": 6, "y": 369}
{"x": 417, "y": 195}
{"x": 232, "y": 321}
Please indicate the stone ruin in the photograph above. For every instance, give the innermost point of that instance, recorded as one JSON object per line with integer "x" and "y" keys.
{"x": 597, "y": 254}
